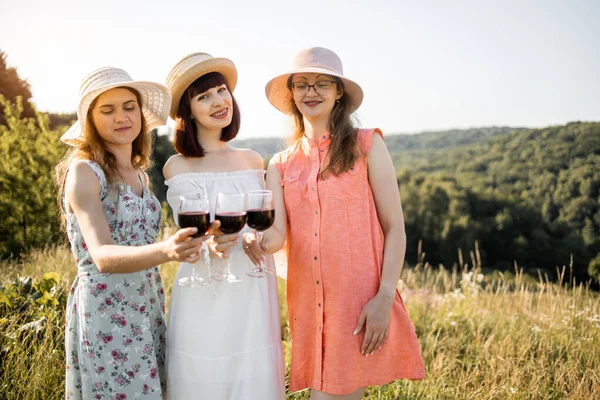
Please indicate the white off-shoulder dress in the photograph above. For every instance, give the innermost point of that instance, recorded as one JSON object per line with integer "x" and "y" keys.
{"x": 224, "y": 339}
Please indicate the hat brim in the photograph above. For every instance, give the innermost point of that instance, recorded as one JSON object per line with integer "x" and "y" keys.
{"x": 179, "y": 84}
{"x": 280, "y": 96}
{"x": 156, "y": 102}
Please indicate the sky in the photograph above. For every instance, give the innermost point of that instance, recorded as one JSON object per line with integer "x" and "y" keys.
{"x": 427, "y": 65}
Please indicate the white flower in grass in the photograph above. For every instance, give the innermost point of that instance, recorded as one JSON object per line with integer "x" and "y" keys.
{"x": 536, "y": 328}
{"x": 595, "y": 318}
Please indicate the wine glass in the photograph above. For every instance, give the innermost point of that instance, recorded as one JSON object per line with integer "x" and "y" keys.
{"x": 230, "y": 210}
{"x": 194, "y": 212}
{"x": 261, "y": 215}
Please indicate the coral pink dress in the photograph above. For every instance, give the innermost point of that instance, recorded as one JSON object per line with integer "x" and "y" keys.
{"x": 335, "y": 256}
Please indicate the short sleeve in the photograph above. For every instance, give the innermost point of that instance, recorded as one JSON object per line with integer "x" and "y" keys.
{"x": 365, "y": 139}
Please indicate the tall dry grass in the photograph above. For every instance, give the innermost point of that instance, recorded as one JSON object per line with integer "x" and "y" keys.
{"x": 500, "y": 336}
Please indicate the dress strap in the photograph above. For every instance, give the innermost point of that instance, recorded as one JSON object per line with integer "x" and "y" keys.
{"x": 365, "y": 139}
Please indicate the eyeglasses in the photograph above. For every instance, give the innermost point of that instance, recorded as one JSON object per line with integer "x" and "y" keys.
{"x": 303, "y": 87}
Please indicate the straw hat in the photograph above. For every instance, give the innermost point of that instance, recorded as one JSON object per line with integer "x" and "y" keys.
{"x": 192, "y": 67}
{"x": 315, "y": 60}
{"x": 156, "y": 99}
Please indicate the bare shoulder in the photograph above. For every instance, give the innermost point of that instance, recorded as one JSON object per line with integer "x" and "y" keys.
{"x": 254, "y": 160}
{"x": 378, "y": 147}
{"x": 81, "y": 180}
{"x": 176, "y": 164}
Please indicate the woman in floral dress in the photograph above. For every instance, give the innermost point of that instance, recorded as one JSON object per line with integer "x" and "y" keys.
{"x": 115, "y": 320}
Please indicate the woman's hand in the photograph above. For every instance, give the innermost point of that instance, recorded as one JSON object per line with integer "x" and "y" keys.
{"x": 220, "y": 243}
{"x": 182, "y": 247}
{"x": 253, "y": 249}
{"x": 375, "y": 318}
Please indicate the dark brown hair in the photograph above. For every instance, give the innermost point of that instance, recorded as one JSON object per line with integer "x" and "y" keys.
{"x": 343, "y": 151}
{"x": 92, "y": 147}
{"x": 186, "y": 139}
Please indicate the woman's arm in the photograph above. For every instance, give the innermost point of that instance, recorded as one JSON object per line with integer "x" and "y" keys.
{"x": 274, "y": 237}
{"x": 382, "y": 178}
{"x": 83, "y": 194}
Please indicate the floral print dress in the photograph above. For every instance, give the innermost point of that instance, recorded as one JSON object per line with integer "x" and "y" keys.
{"x": 115, "y": 323}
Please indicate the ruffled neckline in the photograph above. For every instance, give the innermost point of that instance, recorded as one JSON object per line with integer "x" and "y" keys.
{"x": 213, "y": 175}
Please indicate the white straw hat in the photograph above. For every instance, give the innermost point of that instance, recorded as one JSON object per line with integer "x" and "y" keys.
{"x": 156, "y": 99}
{"x": 314, "y": 60}
{"x": 192, "y": 67}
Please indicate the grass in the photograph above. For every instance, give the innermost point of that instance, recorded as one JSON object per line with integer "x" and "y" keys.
{"x": 499, "y": 336}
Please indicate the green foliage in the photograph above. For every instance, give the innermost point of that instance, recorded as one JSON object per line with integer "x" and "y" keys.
{"x": 61, "y": 121}
{"x": 12, "y": 87}
{"x": 29, "y": 150}
{"x": 532, "y": 196}
{"x": 23, "y": 294}
{"x": 594, "y": 267}
{"x": 162, "y": 150}
{"x": 32, "y": 338}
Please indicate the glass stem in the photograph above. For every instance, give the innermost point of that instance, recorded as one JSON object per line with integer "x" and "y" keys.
{"x": 259, "y": 236}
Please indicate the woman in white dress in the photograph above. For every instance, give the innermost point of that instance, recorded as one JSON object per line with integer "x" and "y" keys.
{"x": 224, "y": 339}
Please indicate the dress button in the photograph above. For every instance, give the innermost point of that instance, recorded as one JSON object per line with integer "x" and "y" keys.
{"x": 319, "y": 304}
{"x": 317, "y": 212}
{"x": 315, "y": 257}
{"x": 316, "y": 234}
{"x": 317, "y": 282}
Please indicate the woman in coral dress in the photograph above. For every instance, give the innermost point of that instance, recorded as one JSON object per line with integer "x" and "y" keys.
{"x": 338, "y": 205}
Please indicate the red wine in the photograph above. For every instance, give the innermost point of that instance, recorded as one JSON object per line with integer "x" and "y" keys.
{"x": 194, "y": 220}
{"x": 261, "y": 219}
{"x": 231, "y": 222}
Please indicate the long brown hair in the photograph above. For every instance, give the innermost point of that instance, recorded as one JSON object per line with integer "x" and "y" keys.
{"x": 343, "y": 150}
{"x": 92, "y": 147}
{"x": 186, "y": 139}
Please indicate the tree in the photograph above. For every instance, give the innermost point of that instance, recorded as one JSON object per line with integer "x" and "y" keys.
{"x": 29, "y": 150}
{"x": 12, "y": 86}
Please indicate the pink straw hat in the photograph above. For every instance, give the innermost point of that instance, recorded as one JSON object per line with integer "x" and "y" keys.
{"x": 314, "y": 60}
{"x": 156, "y": 100}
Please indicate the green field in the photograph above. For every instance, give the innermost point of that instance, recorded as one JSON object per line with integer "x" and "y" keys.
{"x": 502, "y": 336}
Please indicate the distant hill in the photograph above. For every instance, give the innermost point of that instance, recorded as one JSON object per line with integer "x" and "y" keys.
{"x": 531, "y": 196}
{"x": 397, "y": 142}
{"x": 443, "y": 139}
{"x": 266, "y": 147}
